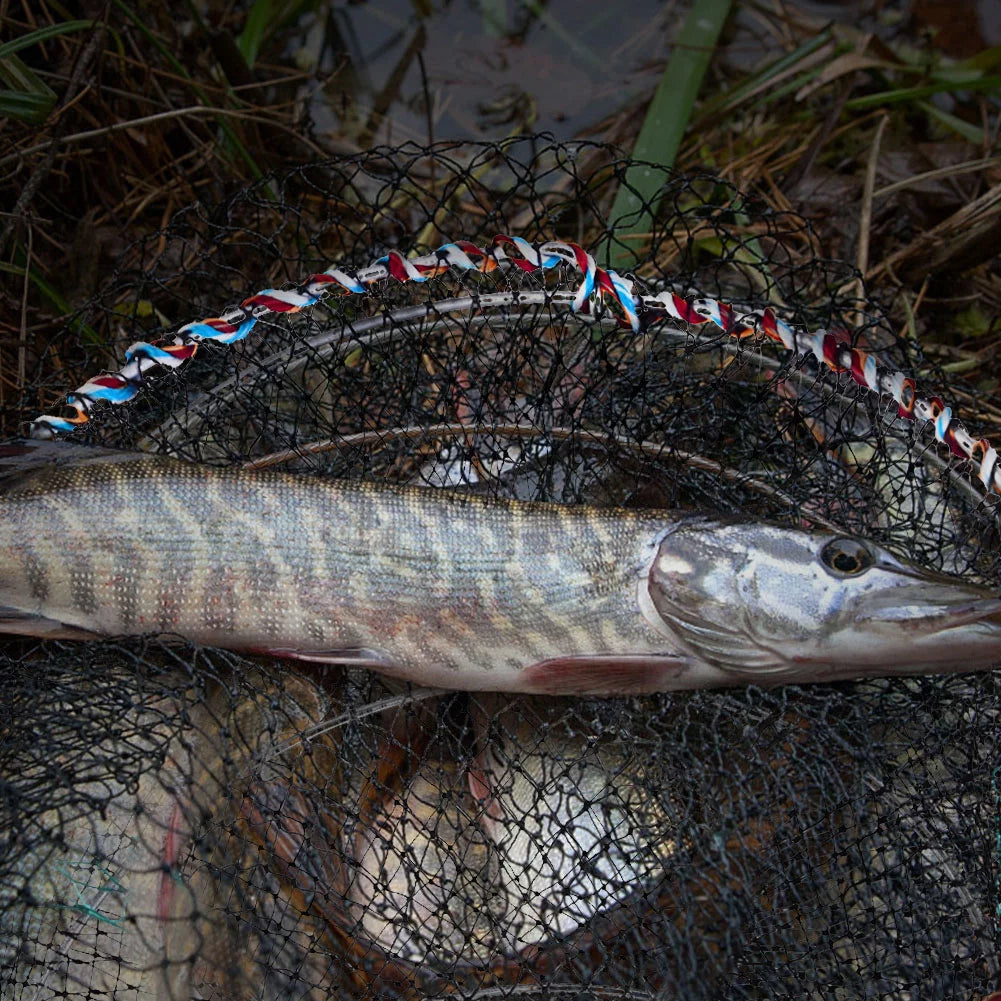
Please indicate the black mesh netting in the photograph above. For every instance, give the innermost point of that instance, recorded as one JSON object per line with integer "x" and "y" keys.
{"x": 189, "y": 823}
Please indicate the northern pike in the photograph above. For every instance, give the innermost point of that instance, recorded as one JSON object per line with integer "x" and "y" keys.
{"x": 458, "y": 591}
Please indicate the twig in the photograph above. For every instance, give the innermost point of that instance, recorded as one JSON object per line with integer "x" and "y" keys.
{"x": 22, "y": 341}
{"x": 940, "y": 172}
{"x": 865, "y": 217}
{"x": 943, "y": 246}
{"x": 196, "y": 109}
{"x": 42, "y": 171}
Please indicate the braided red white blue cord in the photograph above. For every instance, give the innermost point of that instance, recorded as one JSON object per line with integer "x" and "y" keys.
{"x": 598, "y": 285}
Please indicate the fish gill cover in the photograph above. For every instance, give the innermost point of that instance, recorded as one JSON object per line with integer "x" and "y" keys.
{"x": 183, "y": 822}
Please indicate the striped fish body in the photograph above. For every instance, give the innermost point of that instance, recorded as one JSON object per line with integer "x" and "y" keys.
{"x": 447, "y": 590}
{"x": 455, "y": 591}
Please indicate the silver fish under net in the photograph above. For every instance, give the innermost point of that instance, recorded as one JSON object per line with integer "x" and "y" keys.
{"x": 189, "y": 823}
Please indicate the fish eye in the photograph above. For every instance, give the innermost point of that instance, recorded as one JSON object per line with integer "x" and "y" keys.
{"x": 847, "y": 557}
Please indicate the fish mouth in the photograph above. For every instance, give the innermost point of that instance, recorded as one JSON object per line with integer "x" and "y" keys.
{"x": 933, "y": 615}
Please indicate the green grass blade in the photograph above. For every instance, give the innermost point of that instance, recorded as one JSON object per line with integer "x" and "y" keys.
{"x": 983, "y": 61}
{"x": 264, "y": 19}
{"x": 62, "y": 307}
{"x": 25, "y": 107}
{"x": 665, "y": 123}
{"x": 25, "y": 95}
{"x": 971, "y": 133}
{"x": 984, "y": 83}
{"x": 760, "y": 80}
{"x": 260, "y": 18}
{"x": 224, "y": 126}
{"x": 493, "y": 14}
{"x": 42, "y": 35}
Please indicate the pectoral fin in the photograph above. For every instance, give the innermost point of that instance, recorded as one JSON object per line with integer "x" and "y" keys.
{"x": 603, "y": 674}
{"x": 350, "y": 657}
{"x": 22, "y": 623}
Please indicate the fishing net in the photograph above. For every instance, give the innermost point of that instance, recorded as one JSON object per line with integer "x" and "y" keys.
{"x": 181, "y": 822}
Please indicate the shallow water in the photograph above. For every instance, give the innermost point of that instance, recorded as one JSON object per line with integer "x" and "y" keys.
{"x": 396, "y": 70}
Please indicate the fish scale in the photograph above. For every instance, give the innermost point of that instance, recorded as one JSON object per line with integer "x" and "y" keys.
{"x": 418, "y": 581}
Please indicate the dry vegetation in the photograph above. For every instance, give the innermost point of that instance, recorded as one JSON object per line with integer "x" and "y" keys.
{"x": 119, "y": 114}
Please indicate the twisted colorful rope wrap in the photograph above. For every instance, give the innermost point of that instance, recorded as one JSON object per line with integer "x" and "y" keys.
{"x": 598, "y": 285}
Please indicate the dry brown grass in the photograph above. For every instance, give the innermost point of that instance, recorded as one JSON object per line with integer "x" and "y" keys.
{"x": 154, "y": 111}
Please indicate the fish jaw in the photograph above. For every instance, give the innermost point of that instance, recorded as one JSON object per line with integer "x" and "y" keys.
{"x": 918, "y": 626}
{"x": 967, "y": 635}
